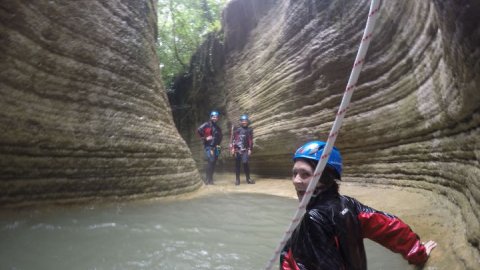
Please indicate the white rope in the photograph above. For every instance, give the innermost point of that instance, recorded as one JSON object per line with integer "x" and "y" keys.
{"x": 357, "y": 67}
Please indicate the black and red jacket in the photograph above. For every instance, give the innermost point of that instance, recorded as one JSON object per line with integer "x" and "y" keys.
{"x": 210, "y": 129}
{"x": 242, "y": 138}
{"x": 330, "y": 235}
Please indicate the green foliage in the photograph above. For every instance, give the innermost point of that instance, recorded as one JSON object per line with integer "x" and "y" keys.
{"x": 182, "y": 26}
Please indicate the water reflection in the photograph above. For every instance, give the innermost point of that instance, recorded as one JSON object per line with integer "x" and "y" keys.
{"x": 229, "y": 231}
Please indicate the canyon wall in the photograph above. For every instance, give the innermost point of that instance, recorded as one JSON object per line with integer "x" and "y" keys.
{"x": 83, "y": 112}
{"x": 414, "y": 119}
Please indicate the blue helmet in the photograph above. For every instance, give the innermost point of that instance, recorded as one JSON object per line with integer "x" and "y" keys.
{"x": 244, "y": 117}
{"x": 314, "y": 150}
{"x": 214, "y": 113}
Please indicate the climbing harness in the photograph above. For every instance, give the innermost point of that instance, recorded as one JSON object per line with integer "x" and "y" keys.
{"x": 357, "y": 66}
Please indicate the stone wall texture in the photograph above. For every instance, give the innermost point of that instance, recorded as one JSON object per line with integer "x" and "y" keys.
{"x": 414, "y": 119}
{"x": 83, "y": 112}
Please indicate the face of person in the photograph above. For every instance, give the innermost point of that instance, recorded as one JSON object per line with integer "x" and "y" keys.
{"x": 214, "y": 118}
{"x": 244, "y": 123}
{"x": 302, "y": 174}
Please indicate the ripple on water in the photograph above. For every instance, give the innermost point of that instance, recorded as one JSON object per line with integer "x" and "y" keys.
{"x": 11, "y": 226}
{"x": 49, "y": 227}
{"x": 102, "y": 225}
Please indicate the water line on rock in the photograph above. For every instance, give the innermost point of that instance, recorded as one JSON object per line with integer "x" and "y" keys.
{"x": 354, "y": 74}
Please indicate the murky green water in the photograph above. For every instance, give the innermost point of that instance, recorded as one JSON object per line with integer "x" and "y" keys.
{"x": 229, "y": 231}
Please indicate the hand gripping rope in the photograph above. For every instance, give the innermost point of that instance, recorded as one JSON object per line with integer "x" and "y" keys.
{"x": 357, "y": 66}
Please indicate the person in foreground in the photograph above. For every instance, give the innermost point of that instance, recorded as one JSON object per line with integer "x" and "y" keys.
{"x": 330, "y": 234}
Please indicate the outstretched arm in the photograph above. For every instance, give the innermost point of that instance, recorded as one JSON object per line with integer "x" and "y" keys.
{"x": 394, "y": 234}
{"x": 397, "y": 236}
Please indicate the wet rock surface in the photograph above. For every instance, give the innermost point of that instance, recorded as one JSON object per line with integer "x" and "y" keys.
{"x": 414, "y": 120}
{"x": 83, "y": 112}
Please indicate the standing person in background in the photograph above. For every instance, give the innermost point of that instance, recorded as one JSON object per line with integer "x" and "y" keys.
{"x": 211, "y": 135}
{"x": 330, "y": 234}
{"x": 241, "y": 148}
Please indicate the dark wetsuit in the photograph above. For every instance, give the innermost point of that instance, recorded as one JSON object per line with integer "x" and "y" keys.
{"x": 242, "y": 142}
{"x": 330, "y": 235}
{"x": 211, "y": 154}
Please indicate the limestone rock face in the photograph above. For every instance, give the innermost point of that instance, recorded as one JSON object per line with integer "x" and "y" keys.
{"x": 414, "y": 119}
{"x": 83, "y": 112}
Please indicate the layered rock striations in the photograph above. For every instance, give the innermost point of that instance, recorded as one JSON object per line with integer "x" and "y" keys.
{"x": 414, "y": 119}
{"x": 83, "y": 112}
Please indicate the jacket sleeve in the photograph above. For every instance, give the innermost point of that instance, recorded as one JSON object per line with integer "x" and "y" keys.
{"x": 287, "y": 262}
{"x": 201, "y": 131}
{"x": 392, "y": 233}
{"x": 250, "y": 139}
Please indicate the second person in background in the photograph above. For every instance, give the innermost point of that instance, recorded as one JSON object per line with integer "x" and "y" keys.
{"x": 241, "y": 148}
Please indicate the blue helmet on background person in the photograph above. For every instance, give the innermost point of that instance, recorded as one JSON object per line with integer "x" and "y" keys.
{"x": 214, "y": 113}
{"x": 244, "y": 117}
{"x": 314, "y": 150}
